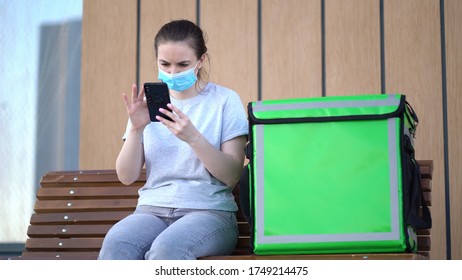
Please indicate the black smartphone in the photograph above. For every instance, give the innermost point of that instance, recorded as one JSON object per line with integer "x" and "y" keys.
{"x": 157, "y": 96}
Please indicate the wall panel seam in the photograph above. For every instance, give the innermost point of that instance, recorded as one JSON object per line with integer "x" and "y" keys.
{"x": 138, "y": 42}
{"x": 198, "y": 13}
{"x": 259, "y": 51}
{"x": 323, "y": 48}
{"x": 445, "y": 132}
{"x": 382, "y": 49}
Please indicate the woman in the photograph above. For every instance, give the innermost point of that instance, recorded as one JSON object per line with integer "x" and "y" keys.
{"x": 186, "y": 209}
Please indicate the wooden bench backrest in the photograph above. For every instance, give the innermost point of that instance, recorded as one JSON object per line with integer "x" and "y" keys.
{"x": 75, "y": 209}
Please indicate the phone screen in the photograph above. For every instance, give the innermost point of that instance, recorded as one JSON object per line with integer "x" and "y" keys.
{"x": 157, "y": 96}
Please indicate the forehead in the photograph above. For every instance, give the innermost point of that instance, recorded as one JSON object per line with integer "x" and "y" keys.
{"x": 175, "y": 51}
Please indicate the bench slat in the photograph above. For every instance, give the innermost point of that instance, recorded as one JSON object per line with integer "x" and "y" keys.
{"x": 423, "y": 243}
{"x": 89, "y": 230}
{"x": 64, "y": 244}
{"x": 426, "y": 184}
{"x": 97, "y": 192}
{"x": 428, "y": 198}
{"x": 81, "y": 218}
{"x": 64, "y": 231}
{"x": 426, "y": 168}
{"x": 83, "y": 255}
{"x": 44, "y": 206}
{"x": 396, "y": 256}
{"x": 85, "y": 178}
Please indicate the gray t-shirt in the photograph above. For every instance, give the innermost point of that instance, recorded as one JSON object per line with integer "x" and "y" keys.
{"x": 175, "y": 176}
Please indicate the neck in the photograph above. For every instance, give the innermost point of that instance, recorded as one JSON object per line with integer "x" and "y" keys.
{"x": 189, "y": 93}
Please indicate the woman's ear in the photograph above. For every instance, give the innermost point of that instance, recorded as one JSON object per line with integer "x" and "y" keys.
{"x": 201, "y": 61}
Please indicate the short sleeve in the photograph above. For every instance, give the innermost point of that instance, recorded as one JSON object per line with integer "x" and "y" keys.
{"x": 234, "y": 118}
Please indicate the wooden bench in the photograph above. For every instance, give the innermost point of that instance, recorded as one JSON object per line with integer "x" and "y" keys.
{"x": 75, "y": 209}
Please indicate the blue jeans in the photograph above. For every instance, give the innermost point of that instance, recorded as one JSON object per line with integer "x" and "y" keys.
{"x": 158, "y": 233}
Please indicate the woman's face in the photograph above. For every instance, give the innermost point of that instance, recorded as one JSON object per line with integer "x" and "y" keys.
{"x": 176, "y": 57}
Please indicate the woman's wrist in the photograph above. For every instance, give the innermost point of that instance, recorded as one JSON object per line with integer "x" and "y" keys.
{"x": 195, "y": 140}
{"x": 136, "y": 131}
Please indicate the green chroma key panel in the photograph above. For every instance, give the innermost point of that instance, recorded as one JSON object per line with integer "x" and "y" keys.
{"x": 330, "y": 186}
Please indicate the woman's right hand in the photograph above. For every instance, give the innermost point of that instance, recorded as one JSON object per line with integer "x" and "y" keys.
{"x": 137, "y": 109}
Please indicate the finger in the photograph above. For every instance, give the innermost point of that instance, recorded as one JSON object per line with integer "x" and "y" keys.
{"x": 134, "y": 93}
{"x": 169, "y": 114}
{"x": 177, "y": 111}
{"x": 125, "y": 98}
{"x": 166, "y": 122}
{"x": 141, "y": 94}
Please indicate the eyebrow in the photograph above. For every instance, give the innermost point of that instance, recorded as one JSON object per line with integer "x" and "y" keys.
{"x": 181, "y": 62}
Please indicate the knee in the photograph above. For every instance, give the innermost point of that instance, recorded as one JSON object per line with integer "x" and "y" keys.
{"x": 116, "y": 247}
{"x": 168, "y": 250}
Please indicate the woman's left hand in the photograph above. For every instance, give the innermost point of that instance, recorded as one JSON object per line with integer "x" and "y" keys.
{"x": 181, "y": 125}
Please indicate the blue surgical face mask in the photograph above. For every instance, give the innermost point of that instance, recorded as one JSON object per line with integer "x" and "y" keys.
{"x": 179, "y": 81}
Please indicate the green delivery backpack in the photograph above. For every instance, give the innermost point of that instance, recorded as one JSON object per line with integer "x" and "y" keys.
{"x": 333, "y": 175}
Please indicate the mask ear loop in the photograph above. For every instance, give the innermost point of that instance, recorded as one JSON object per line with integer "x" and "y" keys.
{"x": 202, "y": 59}
{"x": 198, "y": 69}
